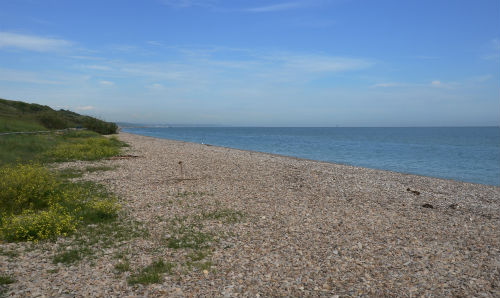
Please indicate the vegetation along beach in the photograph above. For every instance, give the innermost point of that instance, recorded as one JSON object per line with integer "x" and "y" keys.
{"x": 265, "y": 148}
{"x": 164, "y": 218}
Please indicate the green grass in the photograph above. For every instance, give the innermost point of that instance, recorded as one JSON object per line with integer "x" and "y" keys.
{"x": 46, "y": 148}
{"x": 55, "y": 270}
{"x": 71, "y": 256}
{"x": 198, "y": 255}
{"x": 188, "y": 235}
{"x": 69, "y": 173}
{"x": 92, "y": 148}
{"x": 151, "y": 274}
{"x": 24, "y": 148}
{"x": 6, "y": 279}
{"x": 207, "y": 265}
{"x": 8, "y": 124}
{"x": 9, "y": 253}
{"x": 22, "y": 116}
{"x": 123, "y": 266}
{"x": 91, "y": 240}
{"x": 121, "y": 255}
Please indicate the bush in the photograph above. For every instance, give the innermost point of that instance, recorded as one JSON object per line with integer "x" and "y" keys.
{"x": 86, "y": 149}
{"x": 100, "y": 210}
{"x": 35, "y": 205}
{"x": 52, "y": 120}
{"x": 22, "y": 187}
{"x": 38, "y": 225}
{"x": 100, "y": 126}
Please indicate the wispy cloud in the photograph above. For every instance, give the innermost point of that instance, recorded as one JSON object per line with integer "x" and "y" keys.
{"x": 198, "y": 66}
{"x": 154, "y": 43}
{"x": 32, "y": 42}
{"x": 321, "y": 63}
{"x": 106, "y": 83}
{"x": 493, "y": 50}
{"x": 277, "y": 7}
{"x": 189, "y": 3}
{"x": 83, "y": 57}
{"x": 434, "y": 84}
{"x": 388, "y": 85}
{"x": 19, "y": 76}
{"x": 96, "y": 67}
{"x": 481, "y": 78}
{"x": 447, "y": 85}
{"x": 217, "y": 5}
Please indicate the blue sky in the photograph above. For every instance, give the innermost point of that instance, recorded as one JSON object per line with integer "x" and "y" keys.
{"x": 257, "y": 63}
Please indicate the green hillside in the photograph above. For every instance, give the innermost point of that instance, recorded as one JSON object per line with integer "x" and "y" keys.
{"x": 21, "y": 116}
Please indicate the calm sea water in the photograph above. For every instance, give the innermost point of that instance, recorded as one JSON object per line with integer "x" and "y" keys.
{"x": 462, "y": 153}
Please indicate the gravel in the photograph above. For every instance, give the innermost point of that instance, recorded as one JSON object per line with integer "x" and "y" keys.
{"x": 302, "y": 228}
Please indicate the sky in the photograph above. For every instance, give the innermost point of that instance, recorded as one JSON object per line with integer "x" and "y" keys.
{"x": 257, "y": 63}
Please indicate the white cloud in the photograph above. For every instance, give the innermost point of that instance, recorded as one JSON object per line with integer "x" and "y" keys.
{"x": 156, "y": 86}
{"x": 85, "y": 108}
{"x": 32, "y": 42}
{"x": 277, "y": 7}
{"x": 386, "y": 85}
{"x": 106, "y": 83}
{"x": 446, "y": 85}
{"x": 97, "y": 67}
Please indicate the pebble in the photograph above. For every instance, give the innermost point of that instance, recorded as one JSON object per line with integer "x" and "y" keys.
{"x": 298, "y": 214}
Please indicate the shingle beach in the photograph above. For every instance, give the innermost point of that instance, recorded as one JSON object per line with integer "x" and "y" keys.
{"x": 299, "y": 228}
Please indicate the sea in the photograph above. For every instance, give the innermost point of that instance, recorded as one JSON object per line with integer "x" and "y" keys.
{"x": 470, "y": 154}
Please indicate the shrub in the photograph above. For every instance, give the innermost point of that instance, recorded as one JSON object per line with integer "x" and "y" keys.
{"x": 38, "y": 225}
{"x": 52, "y": 120}
{"x": 34, "y": 205}
{"x": 100, "y": 126}
{"x": 28, "y": 186}
{"x": 100, "y": 209}
{"x": 86, "y": 149}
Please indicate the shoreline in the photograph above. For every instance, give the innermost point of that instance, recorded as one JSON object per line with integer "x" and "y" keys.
{"x": 319, "y": 161}
{"x": 293, "y": 227}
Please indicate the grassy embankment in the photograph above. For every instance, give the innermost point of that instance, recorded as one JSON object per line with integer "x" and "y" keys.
{"x": 38, "y": 203}
{"x": 21, "y": 116}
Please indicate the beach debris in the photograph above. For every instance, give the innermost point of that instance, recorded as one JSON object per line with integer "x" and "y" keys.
{"x": 181, "y": 170}
{"x": 415, "y": 192}
{"x": 426, "y": 205}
